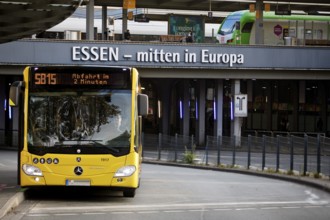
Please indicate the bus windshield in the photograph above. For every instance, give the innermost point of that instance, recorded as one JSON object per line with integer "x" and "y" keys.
{"x": 66, "y": 119}
{"x": 229, "y": 25}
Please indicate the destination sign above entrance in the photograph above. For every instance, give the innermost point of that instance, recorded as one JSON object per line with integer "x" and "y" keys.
{"x": 164, "y": 55}
{"x": 156, "y": 56}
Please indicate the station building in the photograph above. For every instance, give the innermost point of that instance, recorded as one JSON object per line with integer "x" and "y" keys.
{"x": 194, "y": 89}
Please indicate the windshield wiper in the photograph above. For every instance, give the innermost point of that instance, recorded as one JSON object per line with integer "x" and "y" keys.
{"x": 95, "y": 142}
{"x": 77, "y": 142}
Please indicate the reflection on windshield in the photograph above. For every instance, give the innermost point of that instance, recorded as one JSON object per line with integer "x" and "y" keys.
{"x": 228, "y": 26}
{"x": 95, "y": 119}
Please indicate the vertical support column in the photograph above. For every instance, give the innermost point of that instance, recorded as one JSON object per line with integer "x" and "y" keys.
{"x": 185, "y": 128}
{"x": 302, "y": 97}
{"x": 201, "y": 112}
{"x": 250, "y": 100}
{"x": 322, "y": 94}
{"x": 104, "y": 23}
{"x": 124, "y": 28}
{"x": 165, "y": 94}
{"x": 236, "y": 131}
{"x": 219, "y": 109}
{"x": 90, "y": 20}
{"x": 259, "y": 22}
{"x": 294, "y": 125}
{"x": 269, "y": 101}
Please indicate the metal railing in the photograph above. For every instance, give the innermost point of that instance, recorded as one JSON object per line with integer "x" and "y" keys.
{"x": 306, "y": 155}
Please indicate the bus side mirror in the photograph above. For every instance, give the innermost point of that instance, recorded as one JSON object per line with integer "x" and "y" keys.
{"x": 14, "y": 93}
{"x": 143, "y": 104}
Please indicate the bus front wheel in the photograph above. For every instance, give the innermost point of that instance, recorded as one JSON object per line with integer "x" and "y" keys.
{"x": 129, "y": 192}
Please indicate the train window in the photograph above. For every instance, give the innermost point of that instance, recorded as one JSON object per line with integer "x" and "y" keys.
{"x": 247, "y": 27}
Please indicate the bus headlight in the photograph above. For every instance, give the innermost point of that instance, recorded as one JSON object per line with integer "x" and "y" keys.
{"x": 125, "y": 171}
{"x": 31, "y": 170}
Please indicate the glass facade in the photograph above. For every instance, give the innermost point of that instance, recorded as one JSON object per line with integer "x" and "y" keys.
{"x": 274, "y": 106}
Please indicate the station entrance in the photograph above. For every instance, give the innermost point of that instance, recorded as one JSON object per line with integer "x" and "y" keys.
{"x": 274, "y": 107}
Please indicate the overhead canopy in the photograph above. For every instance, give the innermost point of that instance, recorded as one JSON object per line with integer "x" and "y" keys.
{"x": 23, "y": 18}
{"x": 223, "y": 5}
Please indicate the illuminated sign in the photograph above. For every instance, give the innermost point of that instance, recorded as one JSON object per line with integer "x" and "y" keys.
{"x": 72, "y": 79}
{"x": 66, "y": 77}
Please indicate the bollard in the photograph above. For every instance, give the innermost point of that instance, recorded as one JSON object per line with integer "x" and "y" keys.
{"x": 234, "y": 151}
{"x": 219, "y": 143}
{"x": 175, "y": 148}
{"x": 305, "y": 154}
{"x": 206, "y": 151}
{"x": 263, "y": 152}
{"x": 249, "y": 152}
{"x": 159, "y": 145}
{"x": 318, "y": 162}
{"x": 291, "y": 153}
{"x": 277, "y": 153}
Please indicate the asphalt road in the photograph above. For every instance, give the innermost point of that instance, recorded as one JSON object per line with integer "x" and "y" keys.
{"x": 181, "y": 193}
{"x": 256, "y": 160}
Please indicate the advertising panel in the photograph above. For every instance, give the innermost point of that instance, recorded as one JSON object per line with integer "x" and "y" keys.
{"x": 184, "y": 25}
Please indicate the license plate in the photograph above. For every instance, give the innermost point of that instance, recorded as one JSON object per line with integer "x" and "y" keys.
{"x": 78, "y": 182}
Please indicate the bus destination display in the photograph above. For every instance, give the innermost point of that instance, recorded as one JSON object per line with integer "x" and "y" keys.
{"x": 74, "y": 79}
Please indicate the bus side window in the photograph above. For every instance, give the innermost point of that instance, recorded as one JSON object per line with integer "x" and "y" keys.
{"x": 247, "y": 27}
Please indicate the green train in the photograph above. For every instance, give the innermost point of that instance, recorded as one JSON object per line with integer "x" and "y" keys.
{"x": 239, "y": 28}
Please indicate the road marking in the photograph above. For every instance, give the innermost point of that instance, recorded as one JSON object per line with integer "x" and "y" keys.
{"x": 121, "y": 213}
{"x": 291, "y": 207}
{"x": 269, "y": 208}
{"x": 38, "y": 209}
{"x": 66, "y": 214}
{"x": 94, "y": 213}
{"x": 314, "y": 199}
{"x": 148, "y": 212}
{"x": 314, "y": 206}
{"x": 37, "y": 215}
{"x": 244, "y": 209}
{"x": 175, "y": 211}
{"x": 222, "y": 209}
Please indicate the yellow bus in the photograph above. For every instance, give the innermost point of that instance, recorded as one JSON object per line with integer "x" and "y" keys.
{"x": 80, "y": 126}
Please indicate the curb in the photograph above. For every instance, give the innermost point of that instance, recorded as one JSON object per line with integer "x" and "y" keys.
{"x": 320, "y": 184}
{"x": 12, "y": 203}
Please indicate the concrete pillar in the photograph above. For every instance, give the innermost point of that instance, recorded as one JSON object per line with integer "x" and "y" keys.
{"x": 250, "y": 100}
{"x": 165, "y": 97}
{"x": 237, "y": 123}
{"x": 186, "y": 110}
{"x": 90, "y": 20}
{"x": 219, "y": 109}
{"x": 323, "y": 104}
{"x": 124, "y": 28}
{"x": 259, "y": 24}
{"x": 268, "y": 104}
{"x": 295, "y": 117}
{"x": 104, "y": 23}
{"x": 201, "y": 112}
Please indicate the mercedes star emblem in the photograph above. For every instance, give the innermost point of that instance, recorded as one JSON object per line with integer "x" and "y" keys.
{"x": 78, "y": 171}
